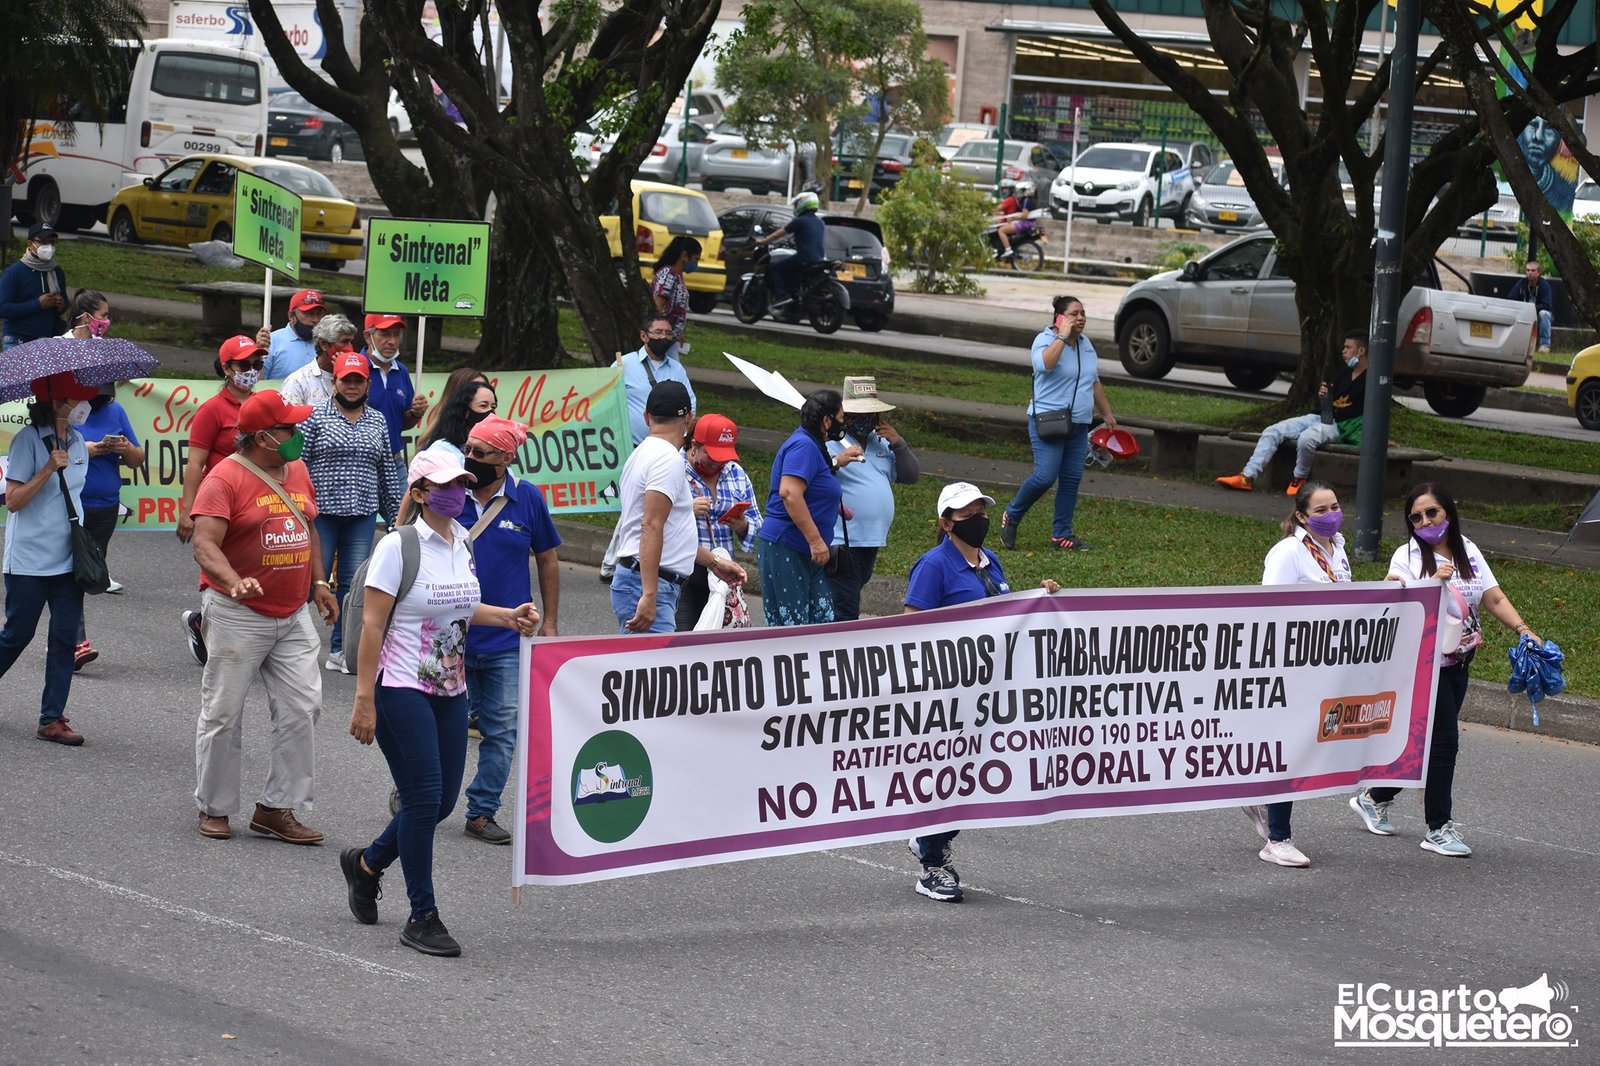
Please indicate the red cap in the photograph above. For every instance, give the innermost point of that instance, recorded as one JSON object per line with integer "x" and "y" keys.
{"x": 305, "y": 300}
{"x": 385, "y": 322}
{"x": 63, "y": 386}
{"x": 347, "y": 361}
{"x": 238, "y": 349}
{"x": 717, "y": 435}
{"x": 266, "y": 409}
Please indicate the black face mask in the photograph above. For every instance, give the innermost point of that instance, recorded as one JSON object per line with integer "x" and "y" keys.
{"x": 971, "y": 530}
{"x": 351, "y": 405}
{"x": 835, "y": 431}
{"x": 660, "y": 346}
{"x": 474, "y": 417}
{"x": 302, "y": 330}
{"x": 486, "y": 473}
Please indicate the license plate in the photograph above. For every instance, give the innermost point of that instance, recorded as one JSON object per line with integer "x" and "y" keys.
{"x": 856, "y": 270}
{"x": 739, "y": 153}
{"x": 854, "y": 186}
{"x": 320, "y": 247}
{"x": 1227, "y": 216}
{"x": 1480, "y": 329}
{"x": 279, "y": 142}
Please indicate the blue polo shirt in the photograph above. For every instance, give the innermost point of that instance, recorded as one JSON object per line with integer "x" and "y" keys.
{"x": 1071, "y": 383}
{"x": 38, "y": 542}
{"x": 637, "y": 384}
{"x": 391, "y": 395}
{"x": 102, "y": 487}
{"x": 286, "y": 353}
{"x": 867, "y": 491}
{"x": 522, "y": 528}
{"x": 942, "y": 577}
{"x": 800, "y": 456}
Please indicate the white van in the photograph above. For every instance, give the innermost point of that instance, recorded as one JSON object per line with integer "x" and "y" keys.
{"x": 180, "y": 98}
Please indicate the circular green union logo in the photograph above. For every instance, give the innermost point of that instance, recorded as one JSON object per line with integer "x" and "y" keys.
{"x": 611, "y": 786}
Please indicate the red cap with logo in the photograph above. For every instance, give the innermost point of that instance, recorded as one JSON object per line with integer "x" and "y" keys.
{"x": 305, "y": 300}
{"x": 717, "y": 434}
{"x": 266, "y": 409}
{"x": 347, "y": 361}
{"x": 238, "y": 349}
{"x": 385, "y": 322}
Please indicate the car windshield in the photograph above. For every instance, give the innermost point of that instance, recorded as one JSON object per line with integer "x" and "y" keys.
{"x": 1587, "y": 191}
{"x": 987, "y": 149}
{"x": 677, "y": 211}
{"x": 294, "y": 100}
{"x": 895, "y": 145}
{"x": 956, "y": 136}
{"x": 303, "y": 180}
{"x": 1225, "y": 173}
{"x": 844, "y": 241}
{"x": 1106, "y": 157}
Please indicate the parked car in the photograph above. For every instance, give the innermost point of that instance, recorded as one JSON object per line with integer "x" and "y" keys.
{"x": 399, "y": 117}
{"x": 296, "y": 126}
{"x": 192, "y": 200}
{"x": 1236, "y": 309}
{"x": 894, "y": 156}
{"x": 1583, "y": 387}
{"x": 974, "y": 162}
{"x": 1222, "y": 203}
{"x": 1500, "y": 221}
{"x": 730, "y": 161}
{"x": 955, "y": 134}
{"x": 1117, "y": 180}
{"x": 855, "y": 242}
{"x": 706, "y": 106}
{"x": 660, "y": 213}
{"x": 676, "y": 141}
{"x": 1198, "y": 156}
{"x": 1586, "y": 202}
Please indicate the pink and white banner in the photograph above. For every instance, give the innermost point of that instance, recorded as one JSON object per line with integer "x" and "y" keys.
{"x": 646, "y": 753}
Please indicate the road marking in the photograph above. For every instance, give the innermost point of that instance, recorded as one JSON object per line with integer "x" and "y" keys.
{"x": 202, "y": 918}
{"x": 1023, "y": 900}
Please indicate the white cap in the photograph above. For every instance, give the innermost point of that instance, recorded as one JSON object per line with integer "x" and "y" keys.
{"x": 959, "y": 494}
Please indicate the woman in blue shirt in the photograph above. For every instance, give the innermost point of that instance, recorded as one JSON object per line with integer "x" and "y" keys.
{"x": 111, "y": 444}
{"x": 1066, "y": 377}
{"x": 957, "y": 569}
{"x": 802, "y": 508}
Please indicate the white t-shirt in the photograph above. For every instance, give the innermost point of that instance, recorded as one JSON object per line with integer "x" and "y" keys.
{"x": 1290, "y": 562}
{"x": 1407, "y": 565}
{"x": 656, "y": 466}
{"x": 309, "y": 385}
{"x": 427, "y": 642}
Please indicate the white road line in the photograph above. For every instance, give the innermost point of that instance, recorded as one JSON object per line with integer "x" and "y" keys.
{"x": 974, "y": 888}
{"x": 202, "y": 918}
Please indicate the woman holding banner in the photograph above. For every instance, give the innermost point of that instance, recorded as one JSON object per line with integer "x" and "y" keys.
{"x": 957, "y": 569}
{"x": 1438, "y": 550}
{"x": 1310, "y": 553}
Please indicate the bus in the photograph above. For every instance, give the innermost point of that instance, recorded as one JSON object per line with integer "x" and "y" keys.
{"x": 179, "y": 97}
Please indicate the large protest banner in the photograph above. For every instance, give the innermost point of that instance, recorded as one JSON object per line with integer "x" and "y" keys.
{"x": 646, "y": 753}
{"x": 578, "y": 437}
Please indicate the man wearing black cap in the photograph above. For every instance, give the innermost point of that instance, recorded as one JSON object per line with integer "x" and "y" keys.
{"x": 657, "y": 546}
{"x": 33, "y": 291}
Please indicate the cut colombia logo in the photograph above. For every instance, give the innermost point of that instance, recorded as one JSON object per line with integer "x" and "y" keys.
{"x": 1354, "y": 717}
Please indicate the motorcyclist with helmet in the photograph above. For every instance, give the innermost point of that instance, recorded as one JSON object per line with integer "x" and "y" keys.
{"x": 807, "y": 229}
{"x": 1013, "y": 215}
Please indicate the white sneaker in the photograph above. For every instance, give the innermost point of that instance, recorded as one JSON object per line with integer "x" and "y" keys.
{"x": 1257, "y": 813}
{"x": 1284, "y": 853}
{"x": 335, "y": 662}
{"x": 1373, "y": 813}
{"x": 115, "y": 586}
{"x": 1446, "y": 840}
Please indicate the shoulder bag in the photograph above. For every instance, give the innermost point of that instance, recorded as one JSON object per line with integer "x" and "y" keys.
{"x": 1057, "y": 425}
{"x": 88, "y": 561}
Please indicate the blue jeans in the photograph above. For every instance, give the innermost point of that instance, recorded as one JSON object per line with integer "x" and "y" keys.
{"x": 26, "y": 598}
{"x": 847, "y": 589}
{"x": 1309, "y": 432}
{"x": 931, "y": 848}
{"x": 349, "y": 539}
{"x": 492, "y": 697}
{"x": 1545, "y": 319}
{"x": 794, "y": 590}
{"x": 1058, "y": 463}
{"x": 781, "y": 275}
{"x": 424, "y": 739}
{"x": 1278, "y": 820}
{"x": 627, "y": 588}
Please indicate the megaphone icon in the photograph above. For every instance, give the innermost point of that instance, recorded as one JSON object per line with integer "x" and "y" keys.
{"x": 1537, "y": 995}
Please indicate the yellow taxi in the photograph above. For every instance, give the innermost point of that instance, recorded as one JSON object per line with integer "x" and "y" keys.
{"x": 1583, "y": 387}
{"x": 662, "y": 212}
{"x": 192, "y": 200}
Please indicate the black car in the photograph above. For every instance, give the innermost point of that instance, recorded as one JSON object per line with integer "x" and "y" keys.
{"x": 894, "y": 157}
{"x": 296, "y": 126}
{"x": 855, "y": 242}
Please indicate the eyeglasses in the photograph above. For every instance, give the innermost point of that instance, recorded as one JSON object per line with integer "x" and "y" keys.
{"x": 253, "y": 364}
{"x": 474, "y": 452}
{"x": 1416, "y": 517}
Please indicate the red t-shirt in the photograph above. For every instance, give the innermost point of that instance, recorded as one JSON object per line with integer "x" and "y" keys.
{"x": 215, "y": 427}
{"x": 264, "y": 539}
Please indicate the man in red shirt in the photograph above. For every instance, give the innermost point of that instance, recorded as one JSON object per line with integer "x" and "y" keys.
{"x": 255, "y": 543}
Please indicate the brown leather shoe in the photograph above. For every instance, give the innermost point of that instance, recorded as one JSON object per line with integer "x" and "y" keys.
{"x": 215, "y": 826}
{"x": 58, "y": 731}
{"x": 280, "y": 822}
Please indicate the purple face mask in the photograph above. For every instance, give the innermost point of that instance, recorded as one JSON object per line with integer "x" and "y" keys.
{"x": 1433, "y": 534}
{"x": 1326, "y": 524}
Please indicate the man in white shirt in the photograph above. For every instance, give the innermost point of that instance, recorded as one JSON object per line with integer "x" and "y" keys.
{"x": 657, "y": 547}
{"x": 313, "y": 383}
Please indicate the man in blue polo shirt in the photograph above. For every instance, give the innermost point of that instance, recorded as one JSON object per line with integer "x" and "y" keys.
{"x": 392, "y": 394}
{"x": 515, "y": 524}
{"x": 292, "y": 347}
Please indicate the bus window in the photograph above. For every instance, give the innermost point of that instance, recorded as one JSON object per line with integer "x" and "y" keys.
{"x": 213, "y": 78}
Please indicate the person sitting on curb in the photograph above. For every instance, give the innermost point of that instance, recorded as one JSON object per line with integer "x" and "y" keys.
{"x": 1535, "y": 290}
{"x": 1339, "y": 420}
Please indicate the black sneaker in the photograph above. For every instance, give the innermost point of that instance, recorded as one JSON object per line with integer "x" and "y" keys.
{"x": 937, "y": 883}
{"x": 944, "y": 863}
{"x": 365, "y": 889}
{"x": 197, "y": 643}
{"x": 1008, "y": 530}
{"x": 429, "y": 936}
{"x": 486, "y": 830}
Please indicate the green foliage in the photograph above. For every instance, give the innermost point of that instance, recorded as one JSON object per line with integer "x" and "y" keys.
{"x": 1173, "y": 254}
{"x": 1587, "y": 235}
{"x": 935, "y": 224}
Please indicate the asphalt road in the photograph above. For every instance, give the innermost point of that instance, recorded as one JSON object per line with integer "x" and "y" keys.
{"x": 127, "y": 938}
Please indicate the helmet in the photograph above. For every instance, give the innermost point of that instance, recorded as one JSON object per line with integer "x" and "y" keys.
{"x": 1024, "y": 188}
{"x": 1107, "y": 444}
{"x": 806, "y": 201}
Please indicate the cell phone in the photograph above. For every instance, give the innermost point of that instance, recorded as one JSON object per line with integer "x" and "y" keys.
{"x": 733, "y": 512}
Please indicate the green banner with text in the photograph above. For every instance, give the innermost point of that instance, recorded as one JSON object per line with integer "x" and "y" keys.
{"x": 266, "y": 224}
{"x": 419, "y": 266}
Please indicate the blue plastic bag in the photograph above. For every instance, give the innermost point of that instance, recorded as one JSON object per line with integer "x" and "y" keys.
{"x": 1536, "y": 670}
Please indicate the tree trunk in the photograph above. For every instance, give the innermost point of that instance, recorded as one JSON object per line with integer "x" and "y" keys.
{"x": 520, "y": 319}
{"x": 872, "y": 166}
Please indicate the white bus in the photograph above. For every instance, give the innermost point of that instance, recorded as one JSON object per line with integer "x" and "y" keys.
{"x": 180, "y": 97}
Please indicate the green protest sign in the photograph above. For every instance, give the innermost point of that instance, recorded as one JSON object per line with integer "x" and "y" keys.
{"x": 266, "y": 224}
{"x": 421, "y": 266}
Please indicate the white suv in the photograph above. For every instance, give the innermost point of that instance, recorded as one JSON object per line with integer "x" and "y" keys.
{"x": 1119, "y": 181}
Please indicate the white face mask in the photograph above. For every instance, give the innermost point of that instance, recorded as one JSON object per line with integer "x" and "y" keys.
{"x": 47, "y": 252}
{"x": 79, "y": 413}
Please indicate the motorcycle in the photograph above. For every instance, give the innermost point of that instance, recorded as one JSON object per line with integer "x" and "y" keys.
{"x": 818, "y": 294}
{"x": 1027, "y": 248}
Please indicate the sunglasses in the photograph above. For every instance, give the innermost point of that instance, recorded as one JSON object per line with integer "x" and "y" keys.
{"x": 474, "y": 452}
{"x": 253, "y": 364}
{"x": 1416, "y": 517}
